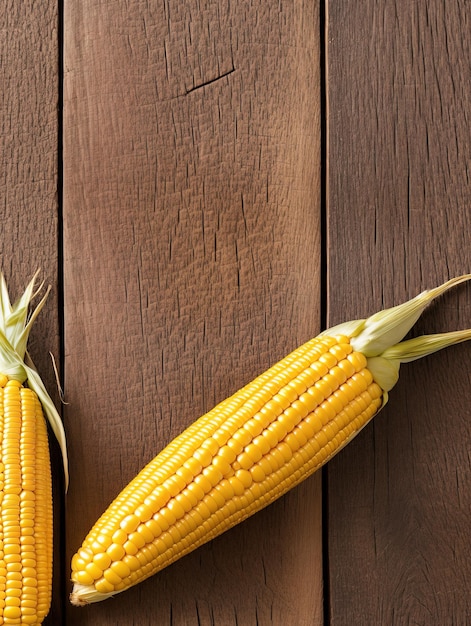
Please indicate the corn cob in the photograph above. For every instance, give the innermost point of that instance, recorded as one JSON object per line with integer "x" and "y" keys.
{"x": 25, "y": 474}
{"x": 252, "y": 448}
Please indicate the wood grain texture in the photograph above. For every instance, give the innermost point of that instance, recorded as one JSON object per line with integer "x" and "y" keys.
{"x": 192, "y": 263}
{"x": 399, "y": 220}
{"x": 29, "y": 92}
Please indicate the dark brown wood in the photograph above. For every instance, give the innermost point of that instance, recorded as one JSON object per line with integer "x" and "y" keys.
{"x": 399, "y": 221}
{"x": 191, "y": 264}
{"x": 29, "y": 92}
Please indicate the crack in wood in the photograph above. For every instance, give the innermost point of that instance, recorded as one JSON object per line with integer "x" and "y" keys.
{"x": 210, "y": 82}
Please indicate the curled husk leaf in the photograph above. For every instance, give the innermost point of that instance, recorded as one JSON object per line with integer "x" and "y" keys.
{"x": 16, "y": 322}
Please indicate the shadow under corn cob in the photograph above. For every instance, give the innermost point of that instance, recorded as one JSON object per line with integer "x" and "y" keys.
{"x": 253, "y": 447}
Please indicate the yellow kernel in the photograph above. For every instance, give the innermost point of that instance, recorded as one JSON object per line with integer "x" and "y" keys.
{"x": 104, "y": 541}
{"x": 242, "y": 436}
{"x": 337, "y": 401}
{"x": 226, "y": 453}
{"x": 196, "y": 518}
{"x": 221, "y": 436}
{"x": 121, "y": 569}
{"x": 12, "y": 385}
{"x": 185, "y": 474}
{"x": 278, "y": 428}
{"x": 137, "y": 539}
{"x": 321, "y": 438}
{"x": 102, "y": 560}
{"x": 157, "y": 499}
{"x": 202, "y": 508}
{"x": 285, "y": 451}
{"x": 144, "y": 512}
{"x": 213, "y": 474}
{"x": 245, "y": 460}
{"x": 271, "y": 437}
{"x": 273, "y": 407}
{"x": 203, "y": 456}
{"x": 185, "y": 500}
{"x": 202, "y": 481}
{"x": 12, "y": 612}
{"x": 258, "y": 475}
{"x": 339, "y": 374}
{"x": 174, "y": 484}
{"x": 154, "y": 527}
{"x": 218, "y": 497}
{"x": 166, "y": 515}
{"x": 93, "y": 570}
{"x": 194, "y": 492}
{"x": 288, "y": 393}
{"x": 193, "y": 465}
{"x": 83, "y": 577}
{"x": 115, "y": 551}
{"x": 265, "y": 465}
{"x": 262, "y": 444}
{"x": 120, "y": 536}
{"x": 254, "y": 452}
{"x": 147, "y": 535}
{"x": 176, "y": 508}
{"x": 103, "y": 586}
{"x": 237, "y": 485}
{"x": 166, "y": 539}
{"x": 328, "y": 359}
{"x": 225, "y": 489}
{"x": 131, "y": 549}
{"x": 245, "y": 477}
{"x": 347, "y": 367}
{"x": 211, "y": 445}
{"x": 375, "y": 391}
{"x": 129, "y": 523}
{"x": 28, "y": 572}
{"x": 292, "y": 441}
{"x": 253, "y": 427}
{"x": 358, "y": 360}
{"x": 210, "y": 503}
{"x": 12, "y": 558}
{"x": 222, "y": 465}
{"x": 325, "y": 413}
{"x": 111, "y": 576}
{"x": 132, "y": 562}
{"x": 293, "y": 415}
{"x": 367, "y": 376}
{"x": 235, "y": 445}
{"x": 10, "y": 501}
{"x": 340, "y": 350}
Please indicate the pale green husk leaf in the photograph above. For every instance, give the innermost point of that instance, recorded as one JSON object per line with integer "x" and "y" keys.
{"x": 15, "y": 325}
{"x": 379, "y": 337}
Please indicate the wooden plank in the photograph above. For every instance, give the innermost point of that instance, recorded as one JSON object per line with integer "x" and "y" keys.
{"x": 399, "y": 221}
{"x": 28, "y": 191}
{"x": 192, "y": 260}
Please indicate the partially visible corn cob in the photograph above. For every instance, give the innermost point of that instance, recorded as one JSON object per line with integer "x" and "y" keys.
{"x": 252, "y": 448}
{"x": 25, "y": 473}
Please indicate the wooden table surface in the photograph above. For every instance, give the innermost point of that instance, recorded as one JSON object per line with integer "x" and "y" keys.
{"x": 206, "y": 184}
